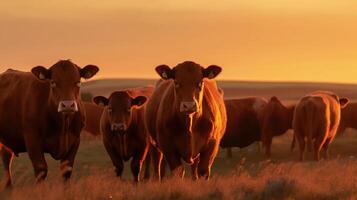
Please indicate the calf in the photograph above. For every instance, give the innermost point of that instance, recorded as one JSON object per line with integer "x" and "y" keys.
{"x": 186, "y": 117}
{"x": 123, "y": 129}
{"x": 316, "y": 120}
{"x": 41, "y": 112}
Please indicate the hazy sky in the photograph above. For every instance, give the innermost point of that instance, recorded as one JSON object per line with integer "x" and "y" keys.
{"x": 302, "y": 40}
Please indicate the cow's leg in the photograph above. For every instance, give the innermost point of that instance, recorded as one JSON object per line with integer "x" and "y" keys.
{"x": 156, "y": 156}
{"x": 292, "y": 144}
{"x": 35, "y": 152}
{"x": 268, "y": 147}
{"x": 147, "y": 166}
{"x": 229, "y": 152}
{"x": 66, "y": 164}
{"x": 137, "y": 163}
{"x": 116, "y": 159}
{"x": 7, "y": 157}
{"x": 325, "y": 148}
{"x": 301, "y": 141}
{"x": 206, "y": 159}
{"x": 194, "y": 167}
{"x": 175, "y": 164}
{"x": 163, "y": 168}
{"x": 318, "y": 142}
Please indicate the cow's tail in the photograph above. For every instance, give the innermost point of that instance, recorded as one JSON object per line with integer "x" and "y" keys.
{"x": 310, "y": 110}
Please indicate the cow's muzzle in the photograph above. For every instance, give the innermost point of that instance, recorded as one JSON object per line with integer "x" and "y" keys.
{"x": 188, "y": 107}
{"x": 69, "y": 106}
{"x": 118, "y": 127}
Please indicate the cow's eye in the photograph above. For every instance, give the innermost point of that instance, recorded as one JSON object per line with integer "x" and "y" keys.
{"x": 53, "y": 84}
{"x": 177, "y": 85}
{"x": 129, "y": 110}
{"x": 78, "y": 84}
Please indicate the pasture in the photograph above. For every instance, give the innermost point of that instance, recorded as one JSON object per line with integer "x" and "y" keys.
{"x": 248, "y": 175}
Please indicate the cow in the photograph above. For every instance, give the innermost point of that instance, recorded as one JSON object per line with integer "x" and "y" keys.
{"x": 93, "y": 115}
{"x": 41, "y": 112}
{"x": 348, "y": 118}
{"x": 186, "y": 118}
{"x": 243, "y": 122}
{"x": 316, "y": 120}
{"x": 123, "y": 129}
{"x": 255, "y": 119}
{"x": 277, "y": 119}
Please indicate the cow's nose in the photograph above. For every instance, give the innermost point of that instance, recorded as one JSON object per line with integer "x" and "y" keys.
{"x": 188, "y": 107}
{"x": 118, "y": 127}
{"x": 67, "y": 106}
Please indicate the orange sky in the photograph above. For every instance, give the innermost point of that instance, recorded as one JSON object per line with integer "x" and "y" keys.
{"x": 279, "y": 40}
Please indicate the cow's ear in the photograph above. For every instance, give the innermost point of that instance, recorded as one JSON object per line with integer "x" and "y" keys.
{"x": 211, "y": 72}
{"x": 165, "y": 72}
{"x": 100, "y": 101}
{"x": 41, "y": 72}
{"x": 88, "y": 71}
{"x": 138, "y": 101}
{"x": 344, "y": 102}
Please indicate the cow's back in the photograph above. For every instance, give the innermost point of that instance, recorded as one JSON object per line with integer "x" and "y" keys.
{"x": 312, "y": 116}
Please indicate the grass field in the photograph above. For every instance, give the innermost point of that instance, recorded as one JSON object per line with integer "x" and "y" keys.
{"x": 248, "y": 175}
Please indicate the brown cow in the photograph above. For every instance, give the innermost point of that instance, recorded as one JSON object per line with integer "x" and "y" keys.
{"x": 243, "y": 122}
{"x": 316, "y": 119}
{"x": 348, "y": 117}
{"x": 186, "y": 117}
{"x": 123, "y": 129}
{"x": 276, "y": 120}
{"x": 41, "y": 112}
{"x": 93, "y": 115}
{"x": 254, "y": 119}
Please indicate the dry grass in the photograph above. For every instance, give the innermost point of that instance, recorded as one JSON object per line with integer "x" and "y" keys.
{"x": 325, "y": 180}
{"x": 246, "y": 176}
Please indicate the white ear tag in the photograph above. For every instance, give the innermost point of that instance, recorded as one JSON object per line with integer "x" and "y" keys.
{"x": 41, "y": 76}
{"x": 164, "y": 75}
{"x": 211, "y": 75}
{"x": 101, "y": 104}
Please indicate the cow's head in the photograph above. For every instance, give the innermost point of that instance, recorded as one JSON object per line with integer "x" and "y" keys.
{"x": 119, "y": 109}
{"x": 278, "y": 116}
{"x": 64, "y": 78}
{"x": 188, "y": 83}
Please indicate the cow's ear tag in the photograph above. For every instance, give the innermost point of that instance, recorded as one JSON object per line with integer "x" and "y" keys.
{"x": 211, "y": 75}
{"x": 41, "y": 76}
{"x": 164, "y": 75}
{"x": 101, "y": 104}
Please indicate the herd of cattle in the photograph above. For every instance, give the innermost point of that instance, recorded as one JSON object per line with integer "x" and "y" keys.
{"x": 183, "y": 118}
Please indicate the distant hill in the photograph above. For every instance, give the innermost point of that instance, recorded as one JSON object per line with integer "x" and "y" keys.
{"x": 290, "y": 91}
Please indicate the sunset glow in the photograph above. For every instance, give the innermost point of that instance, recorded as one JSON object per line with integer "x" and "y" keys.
{"x": 273, "y": 40}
